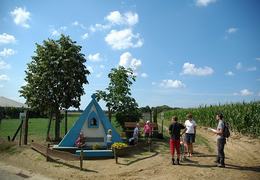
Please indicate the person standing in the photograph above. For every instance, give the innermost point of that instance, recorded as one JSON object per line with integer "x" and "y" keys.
{"x": 221, "y": 141}
{"x": 190, "y": 132}
{"x": 148, "y": 131}
{"x": 109, "y": 138}
{"x": 175, "y": 133}
{"x": 134, "y": 139}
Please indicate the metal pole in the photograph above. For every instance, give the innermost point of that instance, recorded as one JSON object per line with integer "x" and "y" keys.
{"x": 25, "y": 137}
{"x": 21, "y": 131}
{"x": 162, "y": 126}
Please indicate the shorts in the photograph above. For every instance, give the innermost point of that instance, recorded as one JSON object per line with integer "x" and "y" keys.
{"x": 189, "y": 138}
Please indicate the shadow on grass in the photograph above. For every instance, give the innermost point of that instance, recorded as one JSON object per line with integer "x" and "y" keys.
{"x": 71, "y": 166}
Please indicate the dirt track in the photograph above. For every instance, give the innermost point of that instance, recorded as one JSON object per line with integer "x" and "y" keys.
{"x": 243, "y": 162}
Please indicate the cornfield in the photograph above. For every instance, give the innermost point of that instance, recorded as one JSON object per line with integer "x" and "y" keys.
{"x": 242, "y": 117}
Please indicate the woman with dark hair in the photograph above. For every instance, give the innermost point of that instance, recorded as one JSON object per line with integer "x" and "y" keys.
{"x": 190, "y": 132}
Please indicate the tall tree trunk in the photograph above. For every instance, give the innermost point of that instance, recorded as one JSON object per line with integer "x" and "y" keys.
{"x": 57, "y": 125}
{"x": 109, "y": 114}
{"x": 66, "y": 121}
{"x": 49, "y": 127}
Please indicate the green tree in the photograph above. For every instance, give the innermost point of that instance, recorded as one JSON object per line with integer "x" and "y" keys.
{"x": 55, "y": 78}
{"x": 118, "y": 95}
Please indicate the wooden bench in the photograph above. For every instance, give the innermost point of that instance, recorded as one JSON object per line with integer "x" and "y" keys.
{"x": 131, "y": 125}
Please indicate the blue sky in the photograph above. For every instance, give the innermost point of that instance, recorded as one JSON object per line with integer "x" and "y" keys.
{"x": 184, "y": 53}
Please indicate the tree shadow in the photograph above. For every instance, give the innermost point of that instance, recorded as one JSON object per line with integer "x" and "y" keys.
{"x": 139, "y": 159}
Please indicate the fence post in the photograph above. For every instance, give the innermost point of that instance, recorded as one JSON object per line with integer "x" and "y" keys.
{"x": 115, "y": 155}
{"x": 81, "y": 158}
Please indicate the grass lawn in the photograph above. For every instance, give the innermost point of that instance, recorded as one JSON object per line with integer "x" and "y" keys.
{"x": 38, "y": 127}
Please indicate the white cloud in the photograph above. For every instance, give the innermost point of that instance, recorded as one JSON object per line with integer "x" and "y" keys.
{"x": 232, "y": 30}
{"x": 128, "y": 61}
{"x": 114, "y": 17}
{"x": 229, "y": 73}
{"x": 144, "y": 75}
{"x": 123, "y": 39}
{"x": 244, "y": 92}
{"x": 7, "y": 52}
{"x": 204, "y": 3}
{"x": 99, "y": 27}
{"x": 128, "y": 18}
{"x": 191, "y": 69}
{"x": 4, "y": 65}
{"x": 239, "y": 66}
{"x": 99, "y": 75}
{"x": 102, "y": 66}
{"x": 84, "y": 36}
{"x": 258, "y": 94}
{"x": 90, "y": 69}
{"x": 251, "y": 69}
{"x": 4, "y": 77}
{"x": 6, "y": 38}
{"x": 21, "y": 17}
{"x": 59, "y": 31}
{"x": 172, "y": 84}
{"x": 94, "y": 57}
{"x": 77, "y": 24}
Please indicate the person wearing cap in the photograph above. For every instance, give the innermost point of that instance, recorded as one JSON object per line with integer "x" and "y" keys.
{"x": 147, "y": 130}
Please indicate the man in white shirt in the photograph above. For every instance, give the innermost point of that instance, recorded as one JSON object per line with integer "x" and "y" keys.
{"x": 190, "y": 131}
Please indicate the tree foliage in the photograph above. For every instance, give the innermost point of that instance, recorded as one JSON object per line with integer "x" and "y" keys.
{"x": 55, "y": 77}
{"x": 118, "y": 95}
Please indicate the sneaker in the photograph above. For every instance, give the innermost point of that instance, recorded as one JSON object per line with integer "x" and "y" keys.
{"x": 221, "y": 165}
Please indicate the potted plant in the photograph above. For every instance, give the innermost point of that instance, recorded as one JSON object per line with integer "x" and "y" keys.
{"x": 120, "y": 148}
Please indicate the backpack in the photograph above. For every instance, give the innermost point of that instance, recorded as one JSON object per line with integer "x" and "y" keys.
{"x": 226, "y": 131}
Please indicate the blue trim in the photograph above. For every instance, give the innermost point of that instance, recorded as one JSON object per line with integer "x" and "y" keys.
{"x": 96, "y": 153}
{"x": 92, "y": 116}
{"x": 70, "y": 138}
